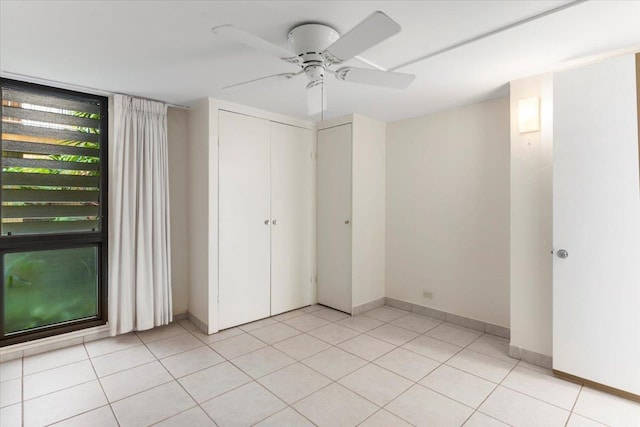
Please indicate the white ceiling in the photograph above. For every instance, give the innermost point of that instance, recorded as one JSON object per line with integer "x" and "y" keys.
{"x": 164, "y": 49}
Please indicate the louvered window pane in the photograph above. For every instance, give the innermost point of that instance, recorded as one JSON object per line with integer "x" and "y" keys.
{"x": 51, "y": 163}
{"x": 53, "y": 226}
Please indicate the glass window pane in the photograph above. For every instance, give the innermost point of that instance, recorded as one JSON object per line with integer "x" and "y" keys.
{"x": 51, "y": 155}
{"x": 48, "y": 287}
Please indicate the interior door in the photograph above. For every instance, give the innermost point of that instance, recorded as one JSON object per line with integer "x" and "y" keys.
{"x": 292, "y": 226}
{"x": 334, "y": 217}
{"x": 596, "y": 222}
{"x": 244, "y": 219}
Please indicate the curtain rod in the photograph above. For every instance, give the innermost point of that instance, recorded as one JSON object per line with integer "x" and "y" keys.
{"x": 184, "y": 107}
{"x": 78, "y": 88}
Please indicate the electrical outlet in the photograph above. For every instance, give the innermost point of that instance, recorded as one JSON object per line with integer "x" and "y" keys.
{"x": 427, "y": 294}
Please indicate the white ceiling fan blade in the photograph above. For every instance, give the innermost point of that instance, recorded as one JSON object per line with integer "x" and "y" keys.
{"x": 375, "y": 77}
{"x": 316, "y": 98}
{"x": 241, "y": 36}
{"x": 368, "y": 33}
{"x": 254, "y": 82}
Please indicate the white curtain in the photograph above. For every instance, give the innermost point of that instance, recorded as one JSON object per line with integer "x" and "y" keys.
{"x": 139, "y": 246}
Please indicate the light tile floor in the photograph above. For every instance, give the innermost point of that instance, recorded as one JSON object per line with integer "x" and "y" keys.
{"x": 313, "y": 366}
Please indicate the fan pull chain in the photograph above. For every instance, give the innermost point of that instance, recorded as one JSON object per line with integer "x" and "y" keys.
{"x": 322, "y": 102}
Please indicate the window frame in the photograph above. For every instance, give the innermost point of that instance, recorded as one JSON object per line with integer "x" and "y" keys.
{"x": 35, "y": 242}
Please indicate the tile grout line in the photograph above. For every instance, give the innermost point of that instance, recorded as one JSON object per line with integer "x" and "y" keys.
{"x": 300, "y": 413}
{"x": 159, "y": 385}
{"x": 300, "y": 361}
{"x": 520, "y": 361}
{"x": 536, "y": 398}
{"x": 101, "y": 386}
{"x": 470, "y": 373}
{"x": 178, "y": 413}
{"x": 58, "y": 390}
{"x": 116, "y": 351}
{"x": 204, "y": 344}
{"x": 525, "y": 394}
{"x": 67, "y": 388}
{"x": 395, "y": 348}
{"x": 496, "y": 385}
{"x": 584, "y": 416}
{"x": 489, "y": 395}
{"x": 229, "y": 360}
{"x": 288, "y": 406}
{"x": 53, "y": 367}
{"x": 133, "y": 367}
{"x": 22, "y": 391}
{"x": 381, "y": 367}
{"x": 197, "y": 404}
{"x": 256, "y": 380}
{"x": 370, "y": 416}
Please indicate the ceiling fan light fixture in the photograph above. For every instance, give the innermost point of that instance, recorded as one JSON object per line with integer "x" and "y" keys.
{"x": 314, "y": 72}
{"x": 316, "y": 98}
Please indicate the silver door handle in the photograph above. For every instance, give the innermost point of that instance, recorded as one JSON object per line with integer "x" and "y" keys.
{"x": 347, "y": 221}
{"x": 274, "y": 222}
{"x": 266, "y": 222}
{"x": 562, "y": 253}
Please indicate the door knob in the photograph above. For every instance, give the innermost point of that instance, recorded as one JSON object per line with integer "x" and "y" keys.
{"x": 274, "y": 222}
{"x": 346, "y": 221}
{"x": 266, "y": 222}
{"x": 562, "y": 253}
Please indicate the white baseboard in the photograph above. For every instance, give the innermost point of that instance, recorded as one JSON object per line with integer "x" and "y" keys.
{"x": 532, "y": 357}
{"x": 444, "y": 316}
{"x": 359, "y": 309}
{"x": 41, "y": 345}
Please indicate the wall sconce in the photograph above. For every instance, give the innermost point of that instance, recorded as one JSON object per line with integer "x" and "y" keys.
{"x": 529, "y": 115}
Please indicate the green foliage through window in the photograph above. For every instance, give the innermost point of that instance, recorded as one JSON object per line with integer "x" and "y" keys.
{"x": 53, "y": 211}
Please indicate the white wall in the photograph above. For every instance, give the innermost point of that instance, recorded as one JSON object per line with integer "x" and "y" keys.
{"x": 177, "y": 138}
{"x": 368, "y": 211}
{"x": 447, "y": 208}
{"x": 531, "y": 220}
{"x": 197, "y": 214}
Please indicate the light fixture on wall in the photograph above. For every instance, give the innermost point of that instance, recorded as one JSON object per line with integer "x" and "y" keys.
{"x": 529, "y": 115}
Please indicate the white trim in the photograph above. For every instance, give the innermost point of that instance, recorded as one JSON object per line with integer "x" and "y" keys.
{"x": 444, "y": 316}
{"x": 77, "y": 88}
{"x": 54, "y": 342}
{"x": 218, "y": 104}
{"x": 338, "y": 121}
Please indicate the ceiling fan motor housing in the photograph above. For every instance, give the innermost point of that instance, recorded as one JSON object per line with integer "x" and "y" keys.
{"x": 307, "y": 42}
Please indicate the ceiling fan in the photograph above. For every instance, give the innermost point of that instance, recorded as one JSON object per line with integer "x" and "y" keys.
{"x": 317, "y": 47}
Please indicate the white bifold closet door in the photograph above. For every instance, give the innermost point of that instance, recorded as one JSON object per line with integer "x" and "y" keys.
{"x": 292, "y": 213}
{"x": 334, "y": 217}
{"x": 244, "y": 219}
{"x": 266, "y": 214}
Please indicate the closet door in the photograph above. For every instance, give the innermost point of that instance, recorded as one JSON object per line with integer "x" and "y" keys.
{"x": 244, "y": 219}
{"x": 596, "y": 224}
{"x": 334, "y": 217}
{"x": 292, "y": 228}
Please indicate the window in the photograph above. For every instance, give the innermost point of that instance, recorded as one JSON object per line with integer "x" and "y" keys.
{"x": 53, "y": 234}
